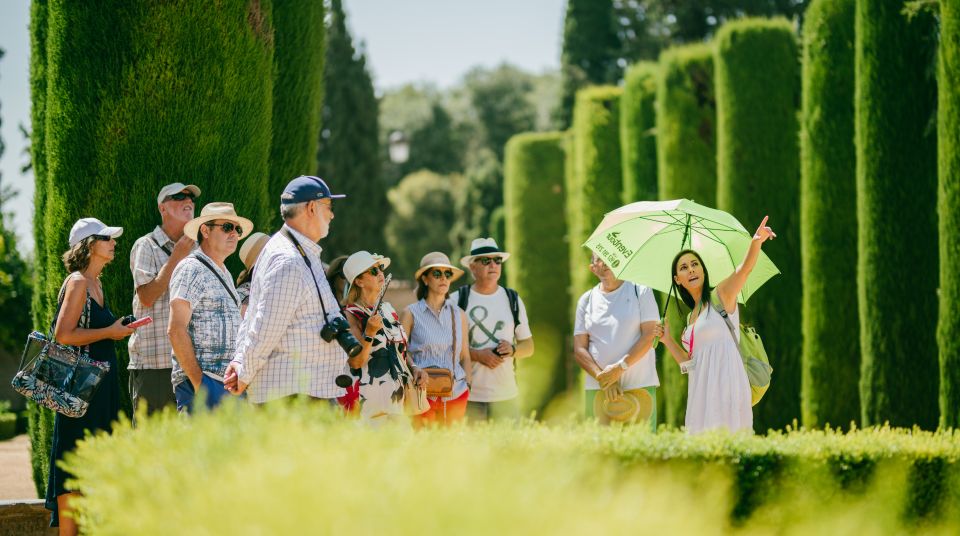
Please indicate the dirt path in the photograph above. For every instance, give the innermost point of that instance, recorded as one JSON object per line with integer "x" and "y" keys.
{"x": 15, "y": 473}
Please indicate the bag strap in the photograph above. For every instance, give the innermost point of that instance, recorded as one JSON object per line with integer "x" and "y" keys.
{"x": 514, "y": 299}
{"x": 718, "y": 307}
{"x": 219, "y": 277}
{"x": 453, "y": 337}
{"x": 84, "y": 318}
{"x": 164, "y": 248}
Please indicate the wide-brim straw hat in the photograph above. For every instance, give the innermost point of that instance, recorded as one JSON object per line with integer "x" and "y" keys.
{"x": 635, "y": 405}
{"x": 252, "y": 247}
{"x": 217, "y": 211}
{"x": 360, "y": 262}
{"x": 483, "y": 247}
{"x": 436, "y": 259}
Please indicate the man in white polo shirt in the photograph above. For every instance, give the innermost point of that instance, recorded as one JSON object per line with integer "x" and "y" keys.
{"x": 616, "y": 324}
{"x": 152, "y": 261}
{"x": 499, "y": 334}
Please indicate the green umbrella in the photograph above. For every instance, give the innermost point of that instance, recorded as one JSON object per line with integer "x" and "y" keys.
{"x": 638, "y": 242}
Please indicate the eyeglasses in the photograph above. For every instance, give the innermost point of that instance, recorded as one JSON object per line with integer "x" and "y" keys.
{"x": 181, "y": 196}
{"x": 487, "y": 260}
{"x": 437, "y": 274}
{"x": 227, "y": 227}
{"x": 375, "y": 271}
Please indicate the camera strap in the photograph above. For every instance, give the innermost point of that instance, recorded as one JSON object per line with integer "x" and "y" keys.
{"x": 303, "y": 255}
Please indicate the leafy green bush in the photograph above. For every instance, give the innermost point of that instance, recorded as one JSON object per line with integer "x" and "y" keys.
{"x": 686, "y": 169}
{"x": 758, "y": 174}
{"x": 536, "y": 228}
{"x": 597, "y": 177}
{"x": 298, "y": 469}
{"x": 948, "y": 134}
{"x": 897, "y": 269}
{"x": 8, "y": 425}
{"x": 638, "y": 141}
{"x": 828, "y": 214}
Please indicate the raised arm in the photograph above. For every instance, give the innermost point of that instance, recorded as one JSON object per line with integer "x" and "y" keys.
{"x": 729, "y": 288}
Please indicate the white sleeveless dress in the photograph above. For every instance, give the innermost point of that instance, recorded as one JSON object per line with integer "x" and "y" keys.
{"x": 718, "y": 391}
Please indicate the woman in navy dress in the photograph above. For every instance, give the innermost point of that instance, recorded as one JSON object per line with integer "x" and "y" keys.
{"x": 84, "y": 319}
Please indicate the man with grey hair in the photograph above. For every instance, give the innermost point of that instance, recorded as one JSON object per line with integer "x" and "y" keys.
{"x": 152, "y": 261}
{"x": 280, "y": 351}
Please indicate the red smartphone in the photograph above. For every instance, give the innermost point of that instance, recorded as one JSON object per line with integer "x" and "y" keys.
{"x": 140, "y": 322}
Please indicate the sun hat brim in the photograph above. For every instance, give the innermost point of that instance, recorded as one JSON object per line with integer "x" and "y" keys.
{"x": 193, "y": 226}
{"x": 374, "y": 259}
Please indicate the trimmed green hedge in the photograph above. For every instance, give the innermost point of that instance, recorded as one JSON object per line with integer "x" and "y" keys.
{"x": 138, "y": 95}
{"x": 638, "y": 140}
{"x": 758, "y": 93}
{"x": 299, "y": 50}
{"x": 896, "y": 195}
{"x": 687, "y": 125}
{"x": 38, "y": 157}
{"x": 686, "y": 169}
{"x": 535, "y": 230}
{"x": 948, "y": 134}
{"x": 597, "y": 175}
{"x": 286, "y": 469}
{"x": 828, "y": 214}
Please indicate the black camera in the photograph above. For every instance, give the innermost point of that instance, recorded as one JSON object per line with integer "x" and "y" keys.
{"x": 340, "y": 330}
{"x": 127, "y": 319}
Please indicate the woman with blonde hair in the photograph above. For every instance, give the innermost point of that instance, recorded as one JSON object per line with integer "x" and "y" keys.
{"x": 249, "y": 252}
{"x": 382, "y": 369}
{"x": 438, "y": 340}
{"x": 84, "y": 319}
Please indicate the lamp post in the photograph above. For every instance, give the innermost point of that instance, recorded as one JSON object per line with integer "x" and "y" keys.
{"x": 399, "y": 147}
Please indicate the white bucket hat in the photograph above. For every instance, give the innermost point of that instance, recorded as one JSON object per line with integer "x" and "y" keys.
{"x": 483, "y": 247}
{"x": 217, "y": 211}
{"x": 176, "y": 188}
{"x": 87, "y": 227}
{"x": 252, "y": 247}
{"x": 360, "y": 262}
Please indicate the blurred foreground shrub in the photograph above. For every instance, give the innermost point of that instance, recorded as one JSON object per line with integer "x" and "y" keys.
{"x": 282, "y": 470}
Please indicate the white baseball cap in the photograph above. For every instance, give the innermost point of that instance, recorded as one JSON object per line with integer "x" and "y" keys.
{"x": 176, "y": 188}
{"x": 86, "y": 227}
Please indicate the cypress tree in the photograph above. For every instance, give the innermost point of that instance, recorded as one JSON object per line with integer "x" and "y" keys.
{"x": 757, "y": 87}
{"x": 349, "y": 147}
{"x": 897, "y": 267}
{"x": 590, "y": 49}
{"x": 597, "y": 176}
{"x": 686, "y": 169}
{"x": 948, "y": 130}
{"x": 535, "y": 231}
{"x": 828, "y": 213}
{"x": 297, "y": 94}
{"x": 637, "y": 139}
{"x": 38, "y": 161}
{"x": 140, "y": 94}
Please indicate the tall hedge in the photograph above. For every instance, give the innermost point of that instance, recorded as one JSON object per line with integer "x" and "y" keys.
{"x": 948, "y": 134}
{"x": 638, "y": 141}
{"x": 758, "y": 174}
{"x": 828, "y": 215}
{"x": 140, "y": 94}
{"x": 299, "y": 35}
{"x": 38, "y": 160}
{"x": 535, "y": 229}
{"x": 686, "y": 168}
{"x": 897, "y": 270}
{"x": 596, "y": 176}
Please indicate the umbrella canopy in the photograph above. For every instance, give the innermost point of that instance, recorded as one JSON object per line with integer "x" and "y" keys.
{"x": 638, "y": 242}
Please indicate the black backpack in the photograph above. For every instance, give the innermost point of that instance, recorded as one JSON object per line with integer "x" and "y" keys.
{"x": 463, "y": 295}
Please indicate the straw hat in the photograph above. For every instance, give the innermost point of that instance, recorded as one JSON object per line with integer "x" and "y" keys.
{"x": 635, "y": 405}
{"x": 217, "y": 211}
{"x": 435, "y": 259}
{"x": 483, "y": 247}
{"x": 251, "y": 248}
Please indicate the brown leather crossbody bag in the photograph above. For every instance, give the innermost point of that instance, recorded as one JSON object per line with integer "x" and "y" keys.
{"x": 441, "y": 379}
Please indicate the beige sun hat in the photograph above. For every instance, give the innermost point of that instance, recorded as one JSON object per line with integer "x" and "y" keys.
{"x": 436, "y": 259}
{"x": 251, "y": 248}
{"x": 483, "y": 247}
{"x": 360, "y": 262}
{"x": 635, "y": 405}
{"x": 217, "y": 211}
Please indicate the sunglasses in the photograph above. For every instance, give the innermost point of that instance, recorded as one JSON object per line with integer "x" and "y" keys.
{"x": 487, "y": 260}
{"x": 181, "y": 196}
{"x": 104, "y": 238}
{"x": 437, "y": 274}
{"x": 227, "y": 227}
{"x": 376, "y": 270}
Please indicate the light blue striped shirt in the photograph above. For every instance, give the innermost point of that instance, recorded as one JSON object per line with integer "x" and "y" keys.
{"x": 430, "y": 343}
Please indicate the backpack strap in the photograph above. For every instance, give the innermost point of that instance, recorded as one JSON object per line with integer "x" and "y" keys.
{"x": 718, "y": 307}
{"x": 463, "y": 296}
{"x": 514, "y": 299}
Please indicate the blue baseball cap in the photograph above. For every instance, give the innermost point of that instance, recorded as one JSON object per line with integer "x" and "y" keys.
{"x": 306, "y": 188}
